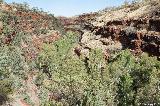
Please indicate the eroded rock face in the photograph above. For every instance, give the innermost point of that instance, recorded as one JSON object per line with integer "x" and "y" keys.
{"x": 154, "y": 25}
{"x": 130, "y": 37}
{"x": 137, "y": 35}
{"x": 132, "y": 29}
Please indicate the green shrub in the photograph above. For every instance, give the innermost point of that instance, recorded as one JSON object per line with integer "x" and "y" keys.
{"x": 69, "y": 75}
{"x": 134, "y": 77}
{"x": 6, "y": 89}
{"x": 122, "y": 81}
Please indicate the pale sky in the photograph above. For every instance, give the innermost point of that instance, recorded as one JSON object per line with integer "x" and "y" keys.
{"x": 70, "y": 7}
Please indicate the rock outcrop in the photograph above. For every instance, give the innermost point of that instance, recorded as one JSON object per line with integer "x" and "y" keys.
{"x": 124, "y": 28}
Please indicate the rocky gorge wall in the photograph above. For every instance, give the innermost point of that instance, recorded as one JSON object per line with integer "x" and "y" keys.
{"x": 134, "y": 28}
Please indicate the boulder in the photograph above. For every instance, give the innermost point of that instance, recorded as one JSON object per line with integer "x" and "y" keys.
{"x": 86, "y": 37}
{"x": 95, "y": 44}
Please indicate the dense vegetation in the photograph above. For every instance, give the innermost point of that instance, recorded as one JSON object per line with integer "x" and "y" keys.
{"x": 125, "y": 80}
{"x": 69, "y": 80}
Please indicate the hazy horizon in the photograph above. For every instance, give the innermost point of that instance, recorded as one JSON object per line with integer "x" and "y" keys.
{"x": 70, "y": 7}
